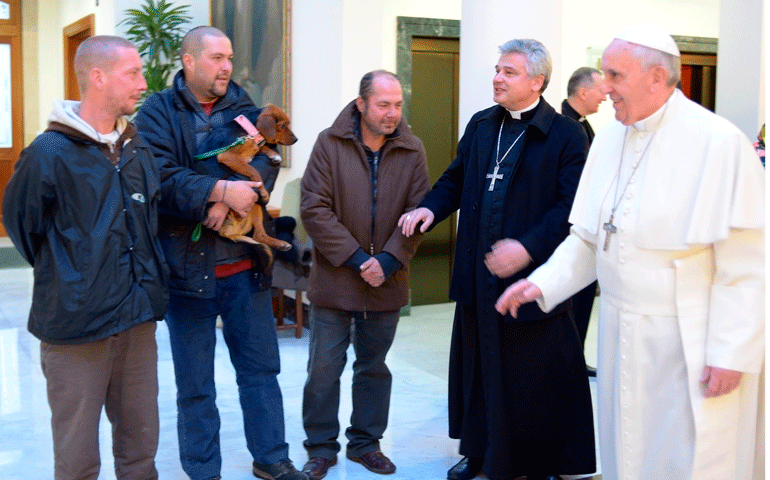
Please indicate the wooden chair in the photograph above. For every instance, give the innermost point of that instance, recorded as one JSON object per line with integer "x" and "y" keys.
{"x": 288, "y": 276}
{"x": 279, "y": 312}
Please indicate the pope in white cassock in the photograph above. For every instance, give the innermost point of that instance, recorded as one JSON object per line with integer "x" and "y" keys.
{"x": 669, "y": 216}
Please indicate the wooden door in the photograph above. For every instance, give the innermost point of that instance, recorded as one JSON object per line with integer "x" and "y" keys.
{"x": 74, "y": 34}
{"x": 11, "y": 92}
{"x": 699, "y": 78}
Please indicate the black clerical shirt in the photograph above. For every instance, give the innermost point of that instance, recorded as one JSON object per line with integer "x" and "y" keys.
{"x": 493, "y": 203}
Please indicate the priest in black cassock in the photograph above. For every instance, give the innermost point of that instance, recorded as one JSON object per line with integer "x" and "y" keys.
{"x": 584, "y": 95}
{"x": 519, "y": 399}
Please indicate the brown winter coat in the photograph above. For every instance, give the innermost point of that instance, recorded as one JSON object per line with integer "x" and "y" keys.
{"x": 336, "y": 211}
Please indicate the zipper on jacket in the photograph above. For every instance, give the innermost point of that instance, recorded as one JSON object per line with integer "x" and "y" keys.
{"x": 375, "y": 167}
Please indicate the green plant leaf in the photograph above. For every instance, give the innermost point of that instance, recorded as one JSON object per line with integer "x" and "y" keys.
{"x": 157, "y": 28}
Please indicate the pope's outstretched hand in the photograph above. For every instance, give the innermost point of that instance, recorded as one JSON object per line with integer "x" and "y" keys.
{"x": 517, "y": 295}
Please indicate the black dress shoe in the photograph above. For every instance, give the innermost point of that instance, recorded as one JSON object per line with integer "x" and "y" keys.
{"x": 591, "y": 371}
{"x": 465, "y": 469}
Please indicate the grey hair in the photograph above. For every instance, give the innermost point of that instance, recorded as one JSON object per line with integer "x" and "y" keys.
{"x": 538, "y": 58}
{"x": 583, "y": 77}
{"x": 99, "y": 52}
{"x": 366, "y": 88}
{"x": 650, "y": 57}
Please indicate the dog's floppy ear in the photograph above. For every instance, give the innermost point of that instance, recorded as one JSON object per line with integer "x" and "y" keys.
{"x": 266, "y": 123}
{"x": 277, "y": 113}
{"x": 271, "y": 109}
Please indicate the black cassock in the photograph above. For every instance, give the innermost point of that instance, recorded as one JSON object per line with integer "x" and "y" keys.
{"x": 518, "y": 391}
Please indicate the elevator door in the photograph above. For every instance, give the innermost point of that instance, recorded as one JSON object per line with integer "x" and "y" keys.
{"x": 433, "y": 118}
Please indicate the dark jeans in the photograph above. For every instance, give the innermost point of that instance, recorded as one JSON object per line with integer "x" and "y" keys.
{"x": 330, "y": 336}
{"x": 249, "y": 333}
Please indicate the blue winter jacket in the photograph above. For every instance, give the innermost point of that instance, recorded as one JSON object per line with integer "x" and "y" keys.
{"x": 166, "y": 122}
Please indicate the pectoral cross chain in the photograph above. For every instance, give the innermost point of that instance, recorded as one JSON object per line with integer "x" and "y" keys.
{"x": 494, "y": 176}
{"x": 610, "y": 228}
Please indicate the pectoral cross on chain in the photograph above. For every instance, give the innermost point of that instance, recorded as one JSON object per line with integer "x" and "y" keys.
{"x": 610, "y": 228}
{"x": 494, "y": 176}
{"x": 499, "y": 176}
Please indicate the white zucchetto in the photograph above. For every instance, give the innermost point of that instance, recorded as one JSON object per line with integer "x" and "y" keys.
{"x": 649, "y": 35}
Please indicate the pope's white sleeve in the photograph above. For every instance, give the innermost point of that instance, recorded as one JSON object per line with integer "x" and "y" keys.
{"x": 571, "y": 268}
{"x": 737, "y": 311}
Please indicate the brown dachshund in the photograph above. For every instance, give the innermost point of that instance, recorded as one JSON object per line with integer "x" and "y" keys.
{"x": 273, "y": 125}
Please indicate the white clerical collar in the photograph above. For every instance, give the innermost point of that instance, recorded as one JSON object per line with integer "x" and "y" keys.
{"x": 516, "y": 114}
{"x": 653, "y": 121}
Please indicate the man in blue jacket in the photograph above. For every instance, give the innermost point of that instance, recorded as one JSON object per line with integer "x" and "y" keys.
{"x": 519, "y": 399}
{"x": 81, "y": 207}
{"x": 212, "y": 276}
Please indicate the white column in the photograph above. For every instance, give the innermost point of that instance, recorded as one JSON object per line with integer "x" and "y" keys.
{"x": 487, "y": 24}
{"x": 316, "y": 79}
{"x": 740, "y": 65}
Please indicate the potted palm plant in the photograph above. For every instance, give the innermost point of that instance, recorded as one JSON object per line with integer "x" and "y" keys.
{"x": 156, "y": 28}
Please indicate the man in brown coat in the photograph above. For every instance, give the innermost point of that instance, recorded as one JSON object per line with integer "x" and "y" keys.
{"x": 364, "y": 173}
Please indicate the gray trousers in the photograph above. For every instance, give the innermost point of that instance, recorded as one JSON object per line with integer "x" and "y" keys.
{"x": 330, "y": 335}
{"x": 119, "y": 373}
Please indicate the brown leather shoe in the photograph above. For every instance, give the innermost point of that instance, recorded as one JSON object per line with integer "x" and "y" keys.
{"x": 316, "y": 467}
{"x": 375, "y": 461}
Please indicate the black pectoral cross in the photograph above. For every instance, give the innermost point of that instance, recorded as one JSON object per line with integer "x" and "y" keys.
{"x": 610, "y": 228}
{"x": 494, "y": 176}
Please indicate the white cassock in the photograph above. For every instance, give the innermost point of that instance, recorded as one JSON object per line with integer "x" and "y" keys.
{"x": 682, "y": 287}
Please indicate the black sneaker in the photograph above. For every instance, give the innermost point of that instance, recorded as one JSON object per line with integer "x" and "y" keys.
{"x": 283, "y": 470}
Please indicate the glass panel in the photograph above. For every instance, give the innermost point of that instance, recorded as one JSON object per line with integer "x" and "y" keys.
{"x": 5, "y": 11}
{"x": 6, "y": 127}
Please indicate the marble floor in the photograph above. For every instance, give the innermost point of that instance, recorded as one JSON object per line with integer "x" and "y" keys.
{"x": 416, "y": 439}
